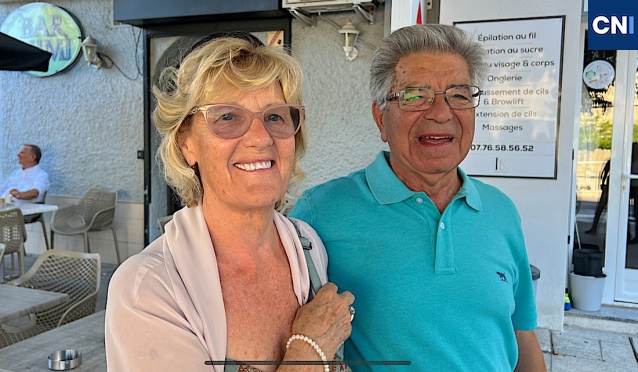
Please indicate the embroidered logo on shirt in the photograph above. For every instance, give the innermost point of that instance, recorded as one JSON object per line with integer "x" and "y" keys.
{"x": 503, "y": 277}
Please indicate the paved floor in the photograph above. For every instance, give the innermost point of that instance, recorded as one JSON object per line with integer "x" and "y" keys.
{"x": 581, "y": 350}
{"x": 603, "y": 341}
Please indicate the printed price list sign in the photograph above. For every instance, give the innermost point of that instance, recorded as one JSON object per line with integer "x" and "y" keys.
{"x": 517, "y": 119}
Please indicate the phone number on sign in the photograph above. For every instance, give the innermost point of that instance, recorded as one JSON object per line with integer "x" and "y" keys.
{"x": 525, "y": 148}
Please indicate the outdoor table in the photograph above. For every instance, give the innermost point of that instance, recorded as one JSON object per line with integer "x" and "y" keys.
{"x": 85, "y": 335}
{"x": 19, "y": 301}
{"x": 31, "y": 208}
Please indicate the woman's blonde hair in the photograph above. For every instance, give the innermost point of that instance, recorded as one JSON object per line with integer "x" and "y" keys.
{"x": 244, "y": 64}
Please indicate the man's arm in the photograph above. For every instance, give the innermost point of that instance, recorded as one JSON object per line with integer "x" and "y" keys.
{"x": 530, "y": 356}
{"x": 25, "y": 195}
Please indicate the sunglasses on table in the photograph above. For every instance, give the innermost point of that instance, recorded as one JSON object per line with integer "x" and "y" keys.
{"x": 232, "y": 121}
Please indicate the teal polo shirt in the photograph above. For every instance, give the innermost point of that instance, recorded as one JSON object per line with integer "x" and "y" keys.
{"x": 443, "y": 291}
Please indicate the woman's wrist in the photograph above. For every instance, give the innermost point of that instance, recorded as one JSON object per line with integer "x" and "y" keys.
{"x": 314, "y": 345}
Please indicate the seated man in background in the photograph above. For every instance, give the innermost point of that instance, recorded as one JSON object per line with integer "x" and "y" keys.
{"x": 29, "y": 183}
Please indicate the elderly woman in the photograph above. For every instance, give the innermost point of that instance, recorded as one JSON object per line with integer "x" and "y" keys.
{"x": 228, "y": 281}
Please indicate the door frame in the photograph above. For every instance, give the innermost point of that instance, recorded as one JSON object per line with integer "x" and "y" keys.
{"x": 622, "y": 137}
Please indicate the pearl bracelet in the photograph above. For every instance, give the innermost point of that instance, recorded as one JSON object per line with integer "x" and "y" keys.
{"x": 307, "y": 339}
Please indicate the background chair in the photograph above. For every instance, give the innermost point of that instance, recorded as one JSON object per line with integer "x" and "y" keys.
{"x": 13, "y": 235}
{"x": 2, "y": 246}
{"x": 39, "y": 217}
{"x": 96, "y": 211}
{"x": 74, "y": 273}
{"x": 162, "y": 221}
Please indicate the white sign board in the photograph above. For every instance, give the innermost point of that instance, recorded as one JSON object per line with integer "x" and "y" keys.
{"x": 517, "y": 119}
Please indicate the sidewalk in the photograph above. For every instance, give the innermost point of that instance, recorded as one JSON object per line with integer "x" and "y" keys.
{"x": 606, "y": 340}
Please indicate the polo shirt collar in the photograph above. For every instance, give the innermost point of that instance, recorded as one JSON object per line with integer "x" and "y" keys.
{"x": 387, "y": 188}
{"x": 469, "y": 191}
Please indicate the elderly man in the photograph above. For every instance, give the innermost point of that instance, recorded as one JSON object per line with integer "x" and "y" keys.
{"x": 436, "y": 259}
{"x": 29, "y": 183}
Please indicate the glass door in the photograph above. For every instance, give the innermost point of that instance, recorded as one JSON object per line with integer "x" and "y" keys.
{"x": 626, "y": 278}
{"x": 607, "y": 168}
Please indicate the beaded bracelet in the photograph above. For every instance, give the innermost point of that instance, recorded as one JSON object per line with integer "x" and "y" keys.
{"x": 307, "y": 339}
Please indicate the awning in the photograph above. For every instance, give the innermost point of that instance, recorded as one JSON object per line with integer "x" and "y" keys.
{"x": 16, "y": 55}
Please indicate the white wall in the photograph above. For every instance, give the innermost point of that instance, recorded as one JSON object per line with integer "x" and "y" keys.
{"x": 342, "y": 136}
{"x": 544, "y": 205}
{"x": 88, "y": 122}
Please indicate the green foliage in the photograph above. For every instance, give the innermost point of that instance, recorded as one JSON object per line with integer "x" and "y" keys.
{"x": 596, "y": 132}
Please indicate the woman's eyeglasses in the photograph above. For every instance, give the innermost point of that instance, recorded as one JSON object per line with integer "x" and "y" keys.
{"x": 231, "y": 121}
{"x": 420, "y": 99}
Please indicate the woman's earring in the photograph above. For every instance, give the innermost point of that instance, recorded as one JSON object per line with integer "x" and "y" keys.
{"x": 191, "y": 170}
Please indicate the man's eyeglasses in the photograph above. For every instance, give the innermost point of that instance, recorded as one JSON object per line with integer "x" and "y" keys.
{"x": 231, "y": 121}
{"x": 420, "y": 99}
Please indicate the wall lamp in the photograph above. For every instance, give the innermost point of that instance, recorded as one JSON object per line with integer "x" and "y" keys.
{"x": 101, "y": 60}
{"x": 349, "y": 35}
{"x": 89, "y": 49}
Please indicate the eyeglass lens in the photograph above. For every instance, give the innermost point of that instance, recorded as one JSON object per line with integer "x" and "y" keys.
{"x": 228, "y": 121}
{"x": 462, "y": 97}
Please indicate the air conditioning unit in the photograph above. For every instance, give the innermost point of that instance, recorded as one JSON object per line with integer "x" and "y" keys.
{"x": 304, "y": 10}
{"x": 322, "y": 6}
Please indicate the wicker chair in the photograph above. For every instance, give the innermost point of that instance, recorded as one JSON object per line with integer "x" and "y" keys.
{"x": 96, "y": 211}
{"x": 39, "y": 217}
{"x": 74, "y": 273}
{"x": 2, "y": 246}
{"x": 13, "y": 235}
{"x": 162, "y": 221}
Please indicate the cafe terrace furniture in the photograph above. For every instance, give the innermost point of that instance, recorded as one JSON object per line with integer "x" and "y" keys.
{"x": 2, "y": 246}
{"x": 94, "y": 212}
{"x": 33, "y": 208}
{"x": 18, "y": 302}
{"x": 75, "y": 273}
{"x": 27, "y": 209}
{"x": 162, "y": 221}
{"x": 13, "y": 234}
{"x": 85, "y": 335}
{"x": 38, "y": 217}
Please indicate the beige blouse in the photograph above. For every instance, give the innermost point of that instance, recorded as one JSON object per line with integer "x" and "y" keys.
{"x": 165, "y": 310}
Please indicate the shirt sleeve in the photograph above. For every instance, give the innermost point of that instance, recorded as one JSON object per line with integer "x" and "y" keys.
{"x": 6, "y": 185}
{"x": 145, "y": 329}
{"x": 41, "y": 183}
{"x": 524, "y": 317}
{"x": 301, "y": 210}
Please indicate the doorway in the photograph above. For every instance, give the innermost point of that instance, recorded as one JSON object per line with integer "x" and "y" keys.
{"x": 166, "y": 46}
{"x": 607, "y": 168}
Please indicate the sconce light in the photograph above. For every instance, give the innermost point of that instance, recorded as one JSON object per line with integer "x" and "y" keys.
{"x": 89, "y": 49}
{"x": 349, "y": 35}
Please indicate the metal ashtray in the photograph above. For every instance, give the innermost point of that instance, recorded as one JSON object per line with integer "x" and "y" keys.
{"x": 64, "y": 360}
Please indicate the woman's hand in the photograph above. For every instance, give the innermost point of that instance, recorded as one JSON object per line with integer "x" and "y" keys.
{"x": 325, "y": 319}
